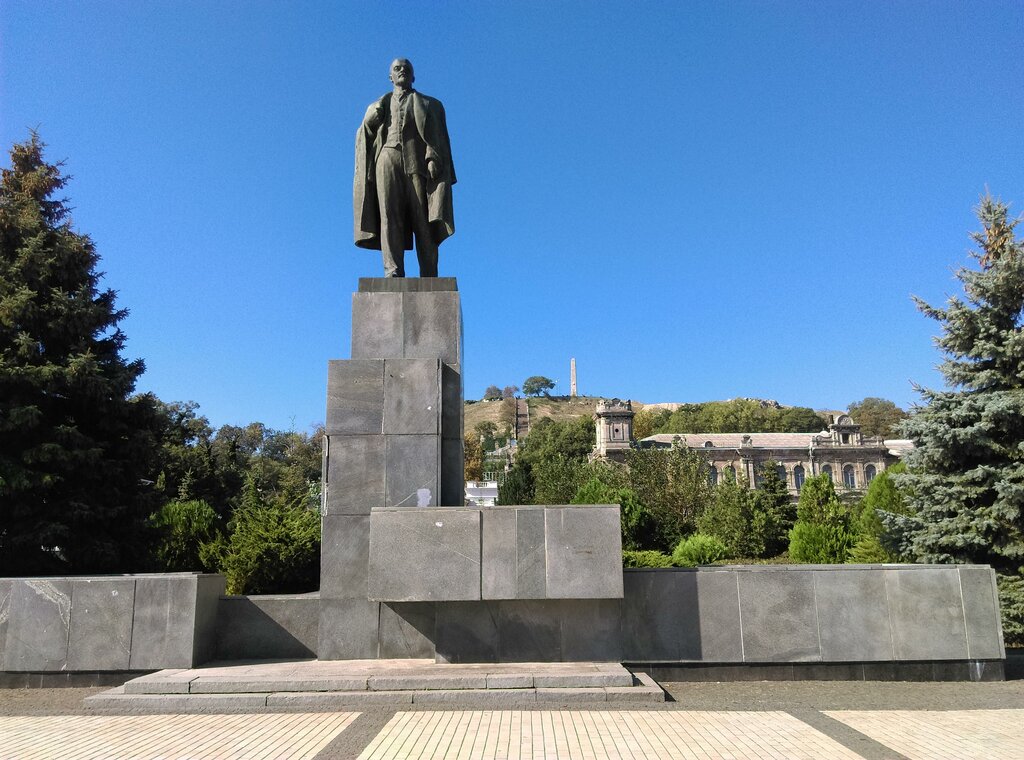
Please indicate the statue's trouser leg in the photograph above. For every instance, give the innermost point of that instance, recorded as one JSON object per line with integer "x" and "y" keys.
{"x": 426, "y": 248}
{"x": 391, "y": 199}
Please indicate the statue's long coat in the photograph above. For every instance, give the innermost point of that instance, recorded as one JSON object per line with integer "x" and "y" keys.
{"x": 432, "y": 129}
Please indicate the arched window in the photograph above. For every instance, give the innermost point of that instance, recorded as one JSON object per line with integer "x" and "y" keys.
{"x": 826, "y": 469}
{"x": 798, "y": 476}
{"x": 870, "y": 472}
{"x": 781, "y": 472}
{"x": 709, "y": 445}
{"x": 713, "y": 476}
{"x": 849, "y": 478}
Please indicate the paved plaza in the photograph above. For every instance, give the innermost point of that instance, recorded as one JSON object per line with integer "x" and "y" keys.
{"x": 831, "y": 720}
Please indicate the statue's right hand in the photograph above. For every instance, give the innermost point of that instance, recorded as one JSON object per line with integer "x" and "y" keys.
{"x": 374, "y": 115}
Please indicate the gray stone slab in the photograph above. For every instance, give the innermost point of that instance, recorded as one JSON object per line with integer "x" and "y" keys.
{"x": 355, "y": 397}
{"x": 927, "y": 613}
{"x": 509, "y": 680}
{"x": 583, "y": 680}
{"x": 432, "y": 326}
{"x": 170, "y": 681}
{"x": 529, "y": 631}
{"x": 187, "y": 704}
{"x": 467, "y": 632}
{"x": 163, "y": 632}
{"x": 778, "y": 616}
{"x": 221, "y": 685}
{"x": 981, "y": 608}
{"x": 267, "y": 627}
{"x": 406, "y": 284}
{"x": 474, "y": 697}
{"x": 413, "y": 466}
{"x": 356, "y": 467}
{"x": 407, "y": 682}
{"x": 498, "y": 553}
{"x": 5, "y": 614}
{"x": 101, "y": 624}
{"x": 377, "y": 325}
{"x": 210, "y": 587}
{"x": 348, "y": 629}
{"x": 37, "y": 631}
{"x": 451, "y": 402}
{"x": 344, "y": 556}
{"x": 531, "y": 554}
{"x": 634, "y": 694}
{"x": 853, "y": 615}
{"x": 661, "y": 616}
{"x": 453, "y": 482}
{"x": 407, "y": 630}
{"x": 338, "y": 699}
{"x": 718, "y": 605}
{"x": 584, "y": 552}
{"x": 585, "y": 694}
{"x": 412, "y": 397}
{"x": 591, "y": 629}
{"x": 424, "y": 555}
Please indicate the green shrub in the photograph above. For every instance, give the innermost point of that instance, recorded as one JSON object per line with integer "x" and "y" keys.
{"x": 648, "y": 558}
{"x": 824, "y": 532}
{"x": 637, "y": 522}
{"x": 869, "y": 551}
{"x": 273, "y": 550}
{"x": 1011, "y": 604}
{"x": 698, "y": 549}
{"x": 184, "y": 528}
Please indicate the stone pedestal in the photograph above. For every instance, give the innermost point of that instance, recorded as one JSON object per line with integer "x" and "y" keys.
{"x": 393, "y": 439}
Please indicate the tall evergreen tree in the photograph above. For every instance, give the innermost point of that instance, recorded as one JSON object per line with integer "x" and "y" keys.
{"x": 965, "y": 476}
{"x": 74, "y": 446}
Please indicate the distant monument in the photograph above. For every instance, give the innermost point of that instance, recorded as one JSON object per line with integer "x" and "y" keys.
{"x": 404, "y": 176}
{"x": 572, "y": 377}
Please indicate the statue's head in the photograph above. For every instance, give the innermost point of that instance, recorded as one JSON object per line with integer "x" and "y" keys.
{"x": 401, "y": 72}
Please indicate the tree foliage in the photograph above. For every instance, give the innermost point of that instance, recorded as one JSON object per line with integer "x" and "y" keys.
{"x": 473, "y": 456}
{"x": 537, "y": 384}
{"x": 673, "y": 485}
{"x": 186, "y": 530}
{"x": 638, "y": 525}
{"x": 877, "y": 416}
{"x": 965, "y": 476}
{"x": 735, "y": 416}
{"x": 492, "y": 392}
{"x": 76, "y": 448}
{"x": 824, "y": 531}
{"x": 698, "y": 549}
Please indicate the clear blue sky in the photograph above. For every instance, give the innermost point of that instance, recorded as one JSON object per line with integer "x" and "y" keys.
{"x": 696, "y": 200}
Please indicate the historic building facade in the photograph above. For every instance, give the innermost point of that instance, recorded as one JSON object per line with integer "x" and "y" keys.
{"x": 848, "y": 457}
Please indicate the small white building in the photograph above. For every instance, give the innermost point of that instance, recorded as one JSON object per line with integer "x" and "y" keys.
{"x": 481, "y": 493}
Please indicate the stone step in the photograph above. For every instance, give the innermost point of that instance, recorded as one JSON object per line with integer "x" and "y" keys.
{"x": 311, "y": 684}
{"x": 379, "y": 676}
{"x": 643, "y": 690}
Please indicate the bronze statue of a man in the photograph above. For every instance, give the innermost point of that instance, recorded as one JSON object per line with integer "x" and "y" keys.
{"x": 404, "y": 176}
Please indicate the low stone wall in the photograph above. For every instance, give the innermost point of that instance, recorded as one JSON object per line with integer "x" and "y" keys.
{"x": 108, "y": 623}
{"x": 811, "y": 613}
{"x": 268, "y": 627}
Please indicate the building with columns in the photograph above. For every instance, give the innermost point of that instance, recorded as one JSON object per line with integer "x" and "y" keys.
{"x": 850, "y": 459}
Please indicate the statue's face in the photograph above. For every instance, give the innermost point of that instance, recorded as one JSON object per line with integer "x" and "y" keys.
{"x": 401, "y": 72}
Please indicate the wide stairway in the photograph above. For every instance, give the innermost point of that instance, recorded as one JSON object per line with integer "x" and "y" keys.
{"x": 311, "y": 684}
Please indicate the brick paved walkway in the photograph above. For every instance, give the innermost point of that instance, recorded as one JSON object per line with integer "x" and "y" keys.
{"x": 954, "y": 734}
{"x": 577, "y": 734}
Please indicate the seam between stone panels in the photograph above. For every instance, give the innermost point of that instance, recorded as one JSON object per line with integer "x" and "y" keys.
{"x": 739, "y": 610}
{"x": 888, "y": 612}
{"x": 817, "y": 617}
{"x": 963, "y": 610}
{"x": 131, "y": 630}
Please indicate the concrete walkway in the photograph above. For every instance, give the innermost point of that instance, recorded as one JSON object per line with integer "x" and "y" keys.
{"x": 872, "y": 720}
{"x": 521, "y": 734}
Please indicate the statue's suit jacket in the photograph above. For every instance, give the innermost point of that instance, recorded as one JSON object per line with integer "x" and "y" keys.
{"x": 426, "y": 137}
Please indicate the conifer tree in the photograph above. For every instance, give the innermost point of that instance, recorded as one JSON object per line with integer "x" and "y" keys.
{"x": 965, "y": 478}
{"x": 74, "y": 446}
